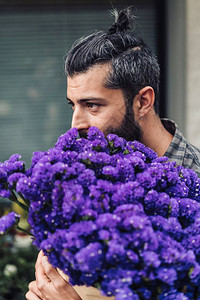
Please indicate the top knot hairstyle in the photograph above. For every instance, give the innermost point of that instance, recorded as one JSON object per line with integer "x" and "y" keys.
{"x": 133, "y": 65}
{"x": 123, "y": 21}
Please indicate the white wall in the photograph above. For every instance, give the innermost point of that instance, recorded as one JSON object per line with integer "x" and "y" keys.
{"x": 183, "y": 66}
{"x": 176, "y": 62}
{"x": 193, "y": 71}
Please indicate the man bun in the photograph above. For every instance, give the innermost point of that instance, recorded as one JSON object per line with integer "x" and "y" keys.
{"x": 123, "y": 21}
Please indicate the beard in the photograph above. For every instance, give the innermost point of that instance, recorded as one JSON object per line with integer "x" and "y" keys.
{"x": 129, "y": 129}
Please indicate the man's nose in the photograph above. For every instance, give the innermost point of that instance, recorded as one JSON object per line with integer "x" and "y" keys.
{"x": 79, "y": 119}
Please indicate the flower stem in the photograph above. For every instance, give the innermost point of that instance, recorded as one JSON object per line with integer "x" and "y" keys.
{"x": 27, "y": 202}
{"x": 14, "y": 199}
{"x": 23, "y": 230}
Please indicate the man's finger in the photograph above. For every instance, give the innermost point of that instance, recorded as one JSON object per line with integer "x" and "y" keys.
{"x": 50, "y": 283}
{"x": 40, "y": 275}
{"x": 52, "y": 274}
{"x": 33, "y": 289}
{"x": 59, "y": 286}
{"x": 31, "y": 296}
{"x": 39, "y": 258}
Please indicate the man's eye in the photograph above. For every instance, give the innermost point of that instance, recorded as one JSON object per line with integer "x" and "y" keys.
{"x": 92, "y": 105}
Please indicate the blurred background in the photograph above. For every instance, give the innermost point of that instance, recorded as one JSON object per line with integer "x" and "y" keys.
{"x": 34, "y": 38}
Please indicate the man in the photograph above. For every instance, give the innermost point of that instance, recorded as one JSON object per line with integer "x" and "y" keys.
{"x": 113, "y": 84}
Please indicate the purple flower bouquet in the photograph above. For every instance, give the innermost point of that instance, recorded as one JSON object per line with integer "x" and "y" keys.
{"x": 111, "y": 214}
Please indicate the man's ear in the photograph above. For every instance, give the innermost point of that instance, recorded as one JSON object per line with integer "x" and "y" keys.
{"x": 144, "y": 102}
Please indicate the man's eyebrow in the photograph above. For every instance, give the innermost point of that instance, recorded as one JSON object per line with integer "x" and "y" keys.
{"x": 87, "y": 99}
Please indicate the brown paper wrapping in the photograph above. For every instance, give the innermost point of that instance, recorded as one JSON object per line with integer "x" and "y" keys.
{"x": 86, "y": 293}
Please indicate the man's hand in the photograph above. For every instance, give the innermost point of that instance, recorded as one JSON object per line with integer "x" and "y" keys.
{"x": 49, "y": 285}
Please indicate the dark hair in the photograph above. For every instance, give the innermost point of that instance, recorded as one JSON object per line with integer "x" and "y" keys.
{"x": 133, "y": 65}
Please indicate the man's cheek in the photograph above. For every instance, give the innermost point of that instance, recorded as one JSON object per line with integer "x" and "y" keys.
{"x": 116, "y": 119}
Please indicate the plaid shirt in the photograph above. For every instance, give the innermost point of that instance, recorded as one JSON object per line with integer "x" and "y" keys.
{"x": 180, "y": 150}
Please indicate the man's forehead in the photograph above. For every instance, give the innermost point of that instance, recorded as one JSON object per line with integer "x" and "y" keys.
{"x": 100, "y": 70}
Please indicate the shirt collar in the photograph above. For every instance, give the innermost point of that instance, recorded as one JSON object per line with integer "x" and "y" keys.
{"x": 177, "y": 147}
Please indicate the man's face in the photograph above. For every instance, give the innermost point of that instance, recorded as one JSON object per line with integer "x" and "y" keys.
{"x": 94, "y": 104}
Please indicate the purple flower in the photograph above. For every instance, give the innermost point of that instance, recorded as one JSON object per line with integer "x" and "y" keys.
{"x": 146, "y": 180}
{"x": 173, "y": 295}
{"x": 127, "y": 294}
{"x": 83, "y": 228}
{"x": 112, "y": 214}
{"x": 174, "y": 207}
{"x": 96, "y": 139}
{"x": 137, "y": 222}
{"x": 167, "y": 275}
{"x": 4, "y": 193}
{"x": 116, "y": 141}
{"x": 95, "y": 134}
{"x": 13, "y": 178}
{"x": 104, "y": 234}
{"x": 66, "y": 140}
{"x": 13, "y": 164}
{"x": 14, "y": 157}
{"x": 188, "y": 208}
{"x": 137, "y": 162}
{"x": 129, "y": 192}
{"x": 149, "y": 201}
{"x": 125, "y": 169}
{"x": 162, "y": 205}
{"x": 129, "y": 210}
{"x": 8, "y": 221}
{"x": 72, "y": 199}
{"x": 107, "y": 220}
{"x": 35, "y": 158}
{"x": 87, "y": 177}
{"x": 149, "y": 153}
{"x": 90, "y": 258}
{"x": 3, "y": 174}
{"x": 27, "y": 188}
{"x": 116, "y": 252}
{"x": 110, "y": 172}
{"x": 118, "y": 279}
{"x": 151, "y": 259}
{"x": 195, "y": 274}
{"x": 69, "y": 157}
{"x": 193, "y": 242}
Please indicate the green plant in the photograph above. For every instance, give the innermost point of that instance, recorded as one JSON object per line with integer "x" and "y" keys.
{"x": 16, "y": 266}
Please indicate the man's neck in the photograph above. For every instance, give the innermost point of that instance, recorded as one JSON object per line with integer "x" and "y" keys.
{"x": 155, "y": 135}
